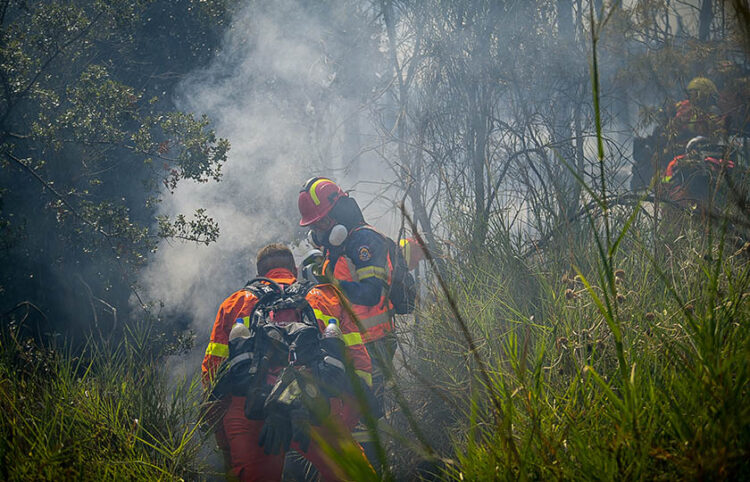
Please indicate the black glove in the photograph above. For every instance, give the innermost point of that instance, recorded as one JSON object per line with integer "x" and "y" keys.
{"x": 332, "y": 377}
{"x": 276, "y": 434}
{"x": 299, "y": 418}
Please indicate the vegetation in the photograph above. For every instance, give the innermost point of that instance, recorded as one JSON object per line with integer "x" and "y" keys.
{"x": 568, "y": 328}
{"x": 90, "y": 143}
{"x": 107, "y": 412}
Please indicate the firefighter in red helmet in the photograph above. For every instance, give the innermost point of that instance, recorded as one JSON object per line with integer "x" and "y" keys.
{"x": 357, "y": 257}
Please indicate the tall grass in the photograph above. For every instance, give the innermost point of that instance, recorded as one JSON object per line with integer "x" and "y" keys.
{"x": 678, "y": 410}
{"x": 625, "y": 356}
{"x": 107, "y": 412}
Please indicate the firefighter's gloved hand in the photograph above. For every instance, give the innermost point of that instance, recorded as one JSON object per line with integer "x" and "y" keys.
{"x": 276, "y": 434}
{"x": 332, "y": 376}
{"x": 299, "y": 418}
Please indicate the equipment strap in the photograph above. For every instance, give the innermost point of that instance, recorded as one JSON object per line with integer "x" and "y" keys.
{"x": 239, "y": 358}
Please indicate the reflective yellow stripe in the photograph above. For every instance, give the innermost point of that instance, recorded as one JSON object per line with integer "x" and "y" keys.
{"x": 246, "y": 321}
{"x": 313, "y": 194}
{"x": 325, "y": 318}
{"x": 354, "y": 338}
{"x": 372, "y": 271}
{"x": 367, "y": 377}
{"x": 218, "y": 349}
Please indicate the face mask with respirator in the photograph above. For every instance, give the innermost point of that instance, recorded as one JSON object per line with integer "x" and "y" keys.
{"x": 336, "y": 236}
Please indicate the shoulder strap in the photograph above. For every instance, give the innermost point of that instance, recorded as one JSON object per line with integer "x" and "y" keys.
{"x": 261, "y": 286}
{"x": 295, "y": 296}
{"x": 299, "y": 288}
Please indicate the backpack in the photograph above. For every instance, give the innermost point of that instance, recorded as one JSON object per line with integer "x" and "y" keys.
{"x": 283, "y": 332}
{"x": 403, "y": 289}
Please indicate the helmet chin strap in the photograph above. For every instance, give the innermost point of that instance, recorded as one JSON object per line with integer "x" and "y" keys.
{"x": 337, "y": 235}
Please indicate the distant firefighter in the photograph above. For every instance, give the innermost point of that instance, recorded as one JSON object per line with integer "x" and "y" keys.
{"x": 699, "y": 114}
{"x": 695, "y": 177}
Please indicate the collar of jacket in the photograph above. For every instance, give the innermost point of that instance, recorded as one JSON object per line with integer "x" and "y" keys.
{"x": 281, "y": 275}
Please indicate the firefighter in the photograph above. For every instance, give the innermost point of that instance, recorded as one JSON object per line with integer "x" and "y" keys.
{"x": 698, "y": 115}
{"x": 357, "y": 258}
{"x": 694, "y": 176}
{"x": 244, "y": 437}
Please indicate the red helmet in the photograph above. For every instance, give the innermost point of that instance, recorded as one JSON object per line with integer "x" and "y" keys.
{"x": 317, "y": 198}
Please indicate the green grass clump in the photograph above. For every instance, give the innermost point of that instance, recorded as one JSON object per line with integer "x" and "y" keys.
{"x": 655, "y": 387}
{"x": 107, "y": 413}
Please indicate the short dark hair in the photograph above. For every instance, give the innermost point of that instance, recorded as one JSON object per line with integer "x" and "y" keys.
{"x": 275, "y": 255}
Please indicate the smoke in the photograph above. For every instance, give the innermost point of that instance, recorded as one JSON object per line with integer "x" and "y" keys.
{"x": 287, "y": 89}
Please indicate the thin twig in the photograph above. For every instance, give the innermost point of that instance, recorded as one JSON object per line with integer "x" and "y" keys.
{"x": 57, "y": 194}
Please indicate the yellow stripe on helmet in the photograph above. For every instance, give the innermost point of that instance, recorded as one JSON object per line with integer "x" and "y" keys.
{"x": 314, "y": 186}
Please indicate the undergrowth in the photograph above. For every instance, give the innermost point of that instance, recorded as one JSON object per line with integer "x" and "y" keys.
{"x": 106, "y": 412}
{"x": 568, "y": 409}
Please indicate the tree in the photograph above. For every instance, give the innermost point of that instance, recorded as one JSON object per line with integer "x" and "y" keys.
{"x": 90, "y": 143}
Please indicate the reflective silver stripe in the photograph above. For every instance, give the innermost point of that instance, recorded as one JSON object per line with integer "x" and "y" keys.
{"x": 239, "y": 358}
{"x": 368, "y": 323}
{"x": 329, "y": 360}
{"x": 352, "y": 269}
{"x": 363, "y": 436}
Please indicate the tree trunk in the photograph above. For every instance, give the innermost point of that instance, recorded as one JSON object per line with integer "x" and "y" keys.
{"x": 705, "y": 19}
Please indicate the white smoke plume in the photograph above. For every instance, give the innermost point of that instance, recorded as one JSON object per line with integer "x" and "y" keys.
{"x": 287, "y": 91}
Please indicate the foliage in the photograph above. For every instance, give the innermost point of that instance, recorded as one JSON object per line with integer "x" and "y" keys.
{"x": 624, "y": 358}
{"x": 569, "y": 331}
{"x": 657, "y": 388}
{"x": 90, "y": 142}
{"x": 105, "y": 413}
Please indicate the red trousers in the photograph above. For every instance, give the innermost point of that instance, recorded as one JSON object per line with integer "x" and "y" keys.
{"x": 250, "y": 463}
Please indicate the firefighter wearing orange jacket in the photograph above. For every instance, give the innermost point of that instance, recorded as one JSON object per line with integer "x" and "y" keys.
{"x": 248, "y": 458}
{"x": 698, "y": 115}
{"x": 357, "y": 257}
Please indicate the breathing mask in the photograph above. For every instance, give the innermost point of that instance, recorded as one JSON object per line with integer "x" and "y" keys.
{"x": 336, "y": 236}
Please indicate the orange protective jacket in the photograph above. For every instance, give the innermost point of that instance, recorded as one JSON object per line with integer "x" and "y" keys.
{"x": 375, "y": 321}
{"x": 325, "y": 303}
{"x": 691, "y": 121}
